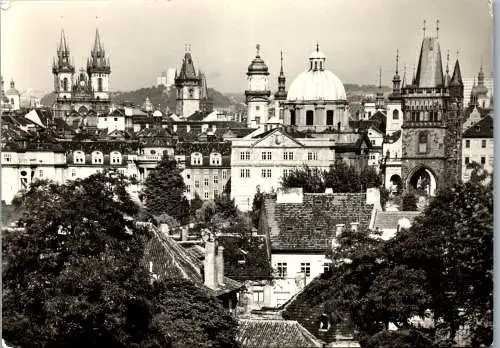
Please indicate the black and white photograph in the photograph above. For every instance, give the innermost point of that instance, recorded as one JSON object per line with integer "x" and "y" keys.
{"x": 247, "y": 173}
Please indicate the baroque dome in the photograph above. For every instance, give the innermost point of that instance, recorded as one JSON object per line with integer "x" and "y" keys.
{"x": 258, "y": 66}
{"x": 316, "y": 83}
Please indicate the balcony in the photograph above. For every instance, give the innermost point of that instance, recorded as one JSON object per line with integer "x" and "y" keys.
{"x": 149, "y": 158}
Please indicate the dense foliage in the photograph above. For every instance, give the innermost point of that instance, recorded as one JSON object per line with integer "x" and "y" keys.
{"x": 441, "y": 268}
{"x": 164, "y": 191}
{"x": 74, "y": 277}
{"x": 341, "y": 177}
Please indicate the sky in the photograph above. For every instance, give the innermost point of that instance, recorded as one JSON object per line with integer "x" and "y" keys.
{"x": 145, "y": 37}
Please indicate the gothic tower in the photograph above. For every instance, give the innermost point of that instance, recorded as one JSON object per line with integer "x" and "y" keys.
{"x": 188, "y": 84}
{"x": 379, "y": 99}
{"x": 431, "y": 125}
{"x": 281, "y": 93}
{"x": 258, "y": 93}
{"x": 394, "y": 112}
{"x": 63, "y": 70}
{"x": 98, "y": 70}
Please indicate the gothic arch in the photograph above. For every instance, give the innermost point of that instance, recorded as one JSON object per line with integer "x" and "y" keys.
{"x": 422, "y": 178}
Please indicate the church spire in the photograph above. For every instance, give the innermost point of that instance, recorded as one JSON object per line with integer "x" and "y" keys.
{"x": 97, "y": 42}
{"x": 281, "y": 93}
{"x": 97, "y": 62}
{"x": 396, "y": 80}
{"x": 379, "y": 101}
{"x": 62, "y": 63}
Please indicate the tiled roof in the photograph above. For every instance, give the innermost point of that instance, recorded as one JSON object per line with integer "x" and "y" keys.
{"x": 171, "y": 260}
{"x": 205, "y": 148}
{"x": 254, "y": 333}
{"x": 481, "y": 129}
{"x": 389, "y": 219}
{"x": 310, "y": 225}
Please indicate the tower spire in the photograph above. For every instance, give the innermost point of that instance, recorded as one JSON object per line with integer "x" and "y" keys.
{"x": 447, "y": 62}
{"x": 281, "y": 67}
{"x": 424, "y": 27}
{"x": 317, "y": 46}
{"x": 397, "y": 61}
{"x": 380, "y": 78}
{"x": 281, "y": 93}
{"x": 97, "y": 42}
{"x": 437, "y": 28}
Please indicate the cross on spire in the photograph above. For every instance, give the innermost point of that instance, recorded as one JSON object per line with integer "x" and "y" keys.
{"x": 447, "y": 61}
{"x": 258, "y": 49}
{"x": 424, "y": 27}
{"x": 317, "y": 46}
{"x": 397, "y": 61}
{"x": 437, "y": 27}
{"x": 380, "y": 77}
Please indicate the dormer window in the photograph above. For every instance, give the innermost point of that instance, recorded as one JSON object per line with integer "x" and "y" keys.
{"x": 78, "y": 157}
{"x": 196, "y": 159}
{"x": 97, "y": 157}
{"x": 215, "y": 159}
{"x": 116, "y": 157}
{"x": 324, "y": 323}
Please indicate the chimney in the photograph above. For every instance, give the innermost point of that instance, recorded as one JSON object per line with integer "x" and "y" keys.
{"x": 184, "y": 233}
{"x": 338, "y": 229}
{"x": 209, "y": 265}
{"x": 329, "y": 191}
{"x": 373, "y": 197}
{"x": 219, "y": 265}
{"x": 354, "y": 226}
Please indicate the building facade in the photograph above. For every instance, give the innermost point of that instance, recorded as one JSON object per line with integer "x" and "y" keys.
{"x": 478, "y": 146}
{"x": 88, "y": 90}
{"x": 260, "y": 162}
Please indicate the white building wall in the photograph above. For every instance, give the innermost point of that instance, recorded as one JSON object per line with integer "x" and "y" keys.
{"x": 104, "y": 95}
{"x": 475, "y": 152}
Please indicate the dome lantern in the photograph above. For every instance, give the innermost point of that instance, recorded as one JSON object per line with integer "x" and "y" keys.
{"x": 317, "y": 60}
{"x": 257, "y": 66}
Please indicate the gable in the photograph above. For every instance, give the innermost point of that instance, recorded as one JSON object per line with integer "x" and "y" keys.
{"x": 278, "y": 139}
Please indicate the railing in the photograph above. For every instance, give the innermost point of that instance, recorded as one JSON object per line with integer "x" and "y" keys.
{"x": 149, "y": 158}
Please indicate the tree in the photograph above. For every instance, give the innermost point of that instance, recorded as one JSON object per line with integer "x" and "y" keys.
{"x": 310, "y": 179}
{"x": 164, "y": 191}
{"x": 74, "y": 277}
{"x": 258, "y": 200}
{"x": 195, "y": 204}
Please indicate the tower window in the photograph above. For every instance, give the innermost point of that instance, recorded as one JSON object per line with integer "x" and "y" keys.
{"x": 65, "y": 84}
{"x": 191, "y": 93}
{"x": 329, "y": 117}
{"x": 467, "y": 144}
{"x": 422, "y": 142}
{"x": 483, "y": 144}
{"x": 99, "y": 84}
{"x": 483, "y": 160}
{"x": 257, "y": 107}
{"x": 309, "y": 118}
{"x": 395, "y": 115}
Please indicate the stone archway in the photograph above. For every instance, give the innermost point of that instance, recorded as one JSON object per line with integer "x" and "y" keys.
{"x": 396, "y": 182}
{"x": 423, "y": 181}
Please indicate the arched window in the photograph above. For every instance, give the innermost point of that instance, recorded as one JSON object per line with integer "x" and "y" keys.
{"x": 309, "y": 118}
{"x": 422, "y": 142}
{"x": 329, "y": 117}
{"x": 196, "y": 159}
{"x": 292, "y": 117}
{"x": 97, "y": 157}
{"x": 115, "y": 157}
{"x": 215, "y": 159}
{"x": 395, "y": 115}
{"x": 315, "y": 65}
{"x": 339, "y": 125}
{"x": 324, "y": 323}
{"x": 369, "y": 114}
{"x": 12, "y": 101}
{"x": 78, "y": 157}
{"x": 99, "y": 84}
{"x": 191, "y": 92}
{"x": 65, "y": 84}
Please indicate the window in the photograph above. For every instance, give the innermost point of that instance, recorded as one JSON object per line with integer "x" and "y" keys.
{"x": 395, "y": 115}
{"x": 286, "y": 172}
{"x": 97, "y": 157}
{"x": 305, "y": 268}
{"x": 292, "y": 117}
{"x": 215, "y": 159}
{"x": 40, "y": 173}
{"x": 99, "y": 84}
{"x": 216, "y": 193}
{"x": 467, "y": 160}
{"x": 191, "y": 92}
{"x": 266, "y": 156}
{"x": 244, "y": 173}
{"x": 329, "y": 117}
{"x": 483, "y": 160}
{"x": 266, "y": 173}
{"x": 422, "y": 142}
{"x": 206, "y": 181}
{"x": 258, "y": 296}
{"x": 309, "y": 118}
{"x": 216, "y": 179}
{"x": 373, "y": 142}
{"x": 7, "y": 157}
{"x": 245, "y": 156}
{"x": 196, "y": 159}
{"x": 206, "y": 195}
{"x": 467, "y": 144}
{"x": 312, "y": 156}
{"x": 326, "y": 267}
{"x": 257, "y": 107}
{"x": 116, "y": 119}
{"x": 79, "y": 157}
{"x": 483, "y": 144}
{"x": 324, "y": 323}
{"x": 197, "y": 184}
{"x": 188, "y": 176}
{"x": 152, "y": 152}
{"x": 188, "y": 188}
{"x": 282, "y": 269}
{"x": 116, "y": 157}
{"x": 372, "y": 157}
{"x": 224, "y": 174}
{"x": 65, "y": 84}
{"x": 288, "y": 156}
{"x": 73, "y": 172}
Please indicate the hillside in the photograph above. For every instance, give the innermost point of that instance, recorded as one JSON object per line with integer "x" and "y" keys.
{"x": 158, "y": 96}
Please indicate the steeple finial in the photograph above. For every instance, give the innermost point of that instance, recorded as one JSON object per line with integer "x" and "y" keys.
{"x": 258, "y": 49}
{"x": 281, "y": 68}
{"x": 437, "y": 28}
{"x": 397, "y": 61}
{"x": 458, "y": 53}
{"x": 97, "y": 42}
{"x": 447, "y": 62}
{"x": 424, "y": 27}
{"x": 317, "y": 46}
{"x": 380, "y": 77}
